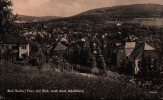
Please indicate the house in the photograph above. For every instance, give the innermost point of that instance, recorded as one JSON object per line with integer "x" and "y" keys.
{"x": 15, "y": 45}
{"x": 60, "y": 47}
{"x": 132, "y": 51}
{"x": 120, "y": 52}
{"x": 129, "y": 47}
{"x": 144, "y": 48}
{"x": 57, "y": 48}
{"x": 59, "y": 51}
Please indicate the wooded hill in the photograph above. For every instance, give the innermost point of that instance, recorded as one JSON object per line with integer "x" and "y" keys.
{"x": 26, "y": 18}
{"x": 122, "y": 12}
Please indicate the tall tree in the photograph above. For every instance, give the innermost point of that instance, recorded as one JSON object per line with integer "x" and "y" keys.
{"x": 6, "y": 17}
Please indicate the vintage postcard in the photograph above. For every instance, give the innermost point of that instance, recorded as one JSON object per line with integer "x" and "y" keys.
{"x": 81, "y": 49}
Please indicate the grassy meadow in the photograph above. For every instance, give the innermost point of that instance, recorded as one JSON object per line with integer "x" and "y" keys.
{"x": 17, "y": 77}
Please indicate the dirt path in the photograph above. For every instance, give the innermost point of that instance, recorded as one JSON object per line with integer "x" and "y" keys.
{"x": 87, "y": 74}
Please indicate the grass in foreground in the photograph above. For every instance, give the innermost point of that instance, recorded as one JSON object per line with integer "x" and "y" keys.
{"x": 24, "y": 77}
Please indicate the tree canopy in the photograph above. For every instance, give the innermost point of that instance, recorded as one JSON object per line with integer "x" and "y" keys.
{"x": 7, "y": 18}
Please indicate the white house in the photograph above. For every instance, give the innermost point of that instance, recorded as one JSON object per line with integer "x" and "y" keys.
{"x": 15, "y": 45}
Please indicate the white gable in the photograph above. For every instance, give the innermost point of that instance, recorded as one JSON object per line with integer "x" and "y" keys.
{"x": 83, "y": 39}
{"x": 63, "y": 39}
{"x": 128, "y": 51}
{"x": 129, "y": 47}
{"x": 148, "y": 47}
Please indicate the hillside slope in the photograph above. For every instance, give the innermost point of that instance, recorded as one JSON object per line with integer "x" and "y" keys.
{"x": 100, "y": 18}
{"x": 128, "y": 11}
{"x": 35, "y": 18}
{"x": 122, "y": 12}
{"x": 29, "y": 79}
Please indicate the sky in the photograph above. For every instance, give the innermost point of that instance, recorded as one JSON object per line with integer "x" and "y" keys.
{"x": 65, "y": 8}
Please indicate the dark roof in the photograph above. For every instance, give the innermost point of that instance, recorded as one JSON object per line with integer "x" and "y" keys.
{"x": 137, "y": 51}
{"x": 60, "y": 46}
{"x": 14, "y": 39}
{"x": 144, "y": 47}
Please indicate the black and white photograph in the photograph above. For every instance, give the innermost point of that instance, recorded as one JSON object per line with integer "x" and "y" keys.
{"x": 81, "y": 49}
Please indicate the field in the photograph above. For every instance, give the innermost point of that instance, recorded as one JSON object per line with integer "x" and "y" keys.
{"x": 151, "y": 21}
{"x": 157, "y": 22}
{"x": 23, "y": 81}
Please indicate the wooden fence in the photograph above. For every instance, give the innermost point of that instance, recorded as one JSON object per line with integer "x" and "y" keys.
{"x": 11, "y": 58}
{"x": 70, "y": 66}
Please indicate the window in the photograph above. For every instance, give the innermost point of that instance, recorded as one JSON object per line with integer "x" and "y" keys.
{"x": 24, "y": 55}
{"x": 14, "y": 47}
{"x": 23, "y": 46}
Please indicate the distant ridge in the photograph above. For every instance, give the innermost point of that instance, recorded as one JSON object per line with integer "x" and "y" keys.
{"x": 120, "y": 12}
{"x": 27, "y": 18}
{"x": 139, "y": 14}
{"x": 128, "y": 11}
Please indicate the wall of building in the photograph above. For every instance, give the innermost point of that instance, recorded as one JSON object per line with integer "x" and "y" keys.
{"x": 11, "y": 45}
{"x": 23, "y": 50}
{"x": 136, "y": 69}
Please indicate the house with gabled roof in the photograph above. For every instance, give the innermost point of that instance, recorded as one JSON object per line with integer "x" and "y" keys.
{"x": 57, "y": 47}
{"x": 60, "y": 47}
{"x": 120, "y": 52}
{"x": 144, "y": 48}
{"x": 129, "y": 47}
{"x": 58, "y": 50}
{"x": 132, "y": 51}
{"x": 15, "y": 45}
